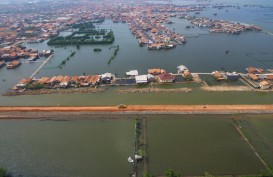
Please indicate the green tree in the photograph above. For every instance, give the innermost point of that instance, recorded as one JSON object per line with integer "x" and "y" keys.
{"x": 3, "y": 172}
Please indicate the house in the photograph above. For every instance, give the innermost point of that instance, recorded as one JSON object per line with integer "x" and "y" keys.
{"x": 187, "y": 75}
{"x": 106, "y": 78}
{"x": 151, "y": 78}
{"x": 86, "y": 81}
{"x": 141, "y": 79}
{"x": 34, "y": 55}
{"x": 51, "y": 80}
{"x": 74, "y": 80}
{"x": 156, "y": 71}
{"x": 13, "y": 56}
{"x": 58, "y": 79}
{"x": 95, "y": 80}
{"x": 22, "y": 83}
{"x": 264, "y": 85}
{"x": 269, "y": 77}
{"x": 5, "y": 57}
{"x": 43, "y": 80}
{"x": 65, "y": 82}
{"x": 253, "y": 77}
{"x": 14, "y": 64}
{"x": 218, "y": 76}
{"x": 166, "y": 78}
{"x": 132, "y": 73}
{"x": 181, "y": 69}
{"x": 2, "y": 64}
{"x": 255, "y": 70}
{"x": 231, "y": 76}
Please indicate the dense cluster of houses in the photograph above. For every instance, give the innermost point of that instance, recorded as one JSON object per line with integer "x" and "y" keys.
{"x": 10, "y": 53}
{"x": 154, "y": 75}
{"x": 148, "y": 29}
{"x": 221, "y": 26}
{"x": 25, "y": 23}
{"x": 9, "y": 56}
{"x": 257, "y": 77}
{"x": 160, "y": 75}
{"x": 60, "y": 82}
{"x": 260, "y": 77}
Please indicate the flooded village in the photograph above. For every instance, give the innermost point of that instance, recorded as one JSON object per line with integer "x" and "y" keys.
{"x": 255, "y": 79}
{"x": 137, "y": 81}
{"x": 147, "y": 22}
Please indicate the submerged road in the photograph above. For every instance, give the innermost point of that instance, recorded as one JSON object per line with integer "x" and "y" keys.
{"x": 149, "y": 109}
{"x": 41, "y": 66}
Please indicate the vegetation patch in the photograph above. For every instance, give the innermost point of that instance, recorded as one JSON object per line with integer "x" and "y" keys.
{"x": 114, "y": 54}
{"x": 90, "y": 36}
{"x": 67, "y": 59}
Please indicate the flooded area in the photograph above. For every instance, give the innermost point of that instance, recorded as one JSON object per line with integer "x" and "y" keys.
{"x": 203, "y": 52}
{"x": 84, "y": 145}
{"x": 206, "y": 142}
{"x": 66, "y": 147}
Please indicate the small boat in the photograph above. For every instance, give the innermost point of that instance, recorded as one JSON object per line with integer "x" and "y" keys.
{"x": 227, "y": 52}
{"x": 130, "y": 160}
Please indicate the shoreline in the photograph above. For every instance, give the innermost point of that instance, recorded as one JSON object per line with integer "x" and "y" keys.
{"x": 58, "y": 113}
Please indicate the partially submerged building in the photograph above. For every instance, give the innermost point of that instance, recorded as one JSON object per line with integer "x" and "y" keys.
{"x": 264, "y": 85}
{"x": 231, "y": 76}
{"x": 253, "y": 77}
{"x": 166, "y": 78}
{"x": 255, "y": 70}
{"x": 141, "y": 79}
{"x": 156, "y": 71}
{"x": 218, "y": 75}
{"x": 23, "y": 83}
{"x": 181, "y": 69}
{"x": 107, "y": 78}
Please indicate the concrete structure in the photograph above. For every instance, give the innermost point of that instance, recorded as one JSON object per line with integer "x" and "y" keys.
{"x": 132, "y": 73}
{"x": 141, "y": 79}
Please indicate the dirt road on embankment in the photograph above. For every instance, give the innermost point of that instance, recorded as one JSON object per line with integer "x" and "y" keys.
{"x": 138, "y": 109}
